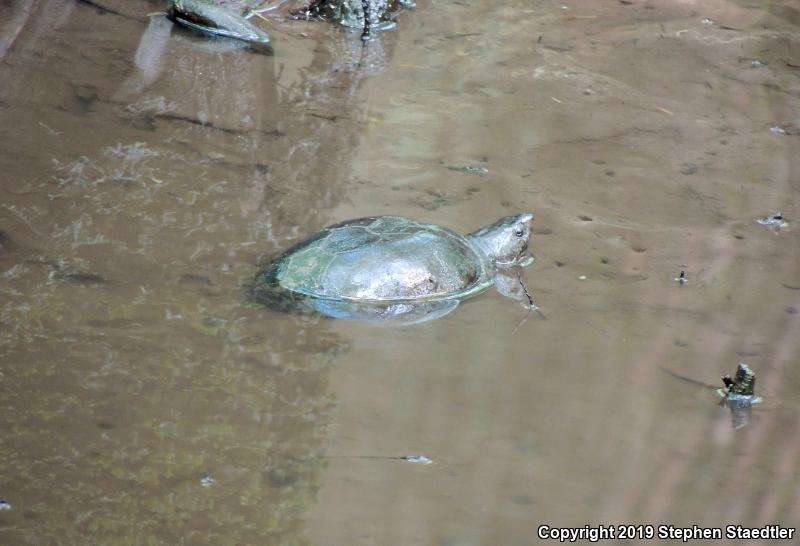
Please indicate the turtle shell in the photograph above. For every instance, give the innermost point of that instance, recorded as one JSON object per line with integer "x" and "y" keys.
{"x": 384, "y": 258}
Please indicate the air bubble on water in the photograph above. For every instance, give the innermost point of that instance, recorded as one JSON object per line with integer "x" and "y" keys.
{"x": 417, "y": 458}
{"x": 774, "y": 221}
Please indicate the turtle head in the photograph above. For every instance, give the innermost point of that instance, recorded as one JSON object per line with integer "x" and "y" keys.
{"x": 505, "y": 242}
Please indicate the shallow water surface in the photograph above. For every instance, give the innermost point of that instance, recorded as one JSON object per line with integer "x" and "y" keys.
{"x": 147, "y": 172}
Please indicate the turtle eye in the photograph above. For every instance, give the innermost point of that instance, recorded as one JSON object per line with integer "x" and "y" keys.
{"x": 519, "y": 232}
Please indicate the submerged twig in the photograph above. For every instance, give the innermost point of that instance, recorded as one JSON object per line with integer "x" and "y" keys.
{"x": 417, "y": 458}
{"x": 523, "y": 321}
{"x": 687, "y": 378}
{"x": 531, "y": 306}
{"x": 525, "y": 290}
{"x": 106, "y": 9}
{"x": 259, "y": 11}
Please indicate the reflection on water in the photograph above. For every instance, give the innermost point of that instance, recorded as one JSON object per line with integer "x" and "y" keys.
{"x": 148, "y": 172}
{"x": 144, "y": 400}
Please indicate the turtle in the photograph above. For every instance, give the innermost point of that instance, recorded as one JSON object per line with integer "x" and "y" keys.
{"x": 212, "y": 18}
{"x": 394, "y": 269}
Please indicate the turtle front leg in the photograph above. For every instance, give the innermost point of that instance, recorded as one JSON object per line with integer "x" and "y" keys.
{"x": 366, "y": 36}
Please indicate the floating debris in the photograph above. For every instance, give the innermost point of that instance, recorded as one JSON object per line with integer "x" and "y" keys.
{"x": 417, "y": 458}
{"x": 741, "y": 384}
{"x": 4, "y": 505}
{"x": 582, "y": 278}
{"x": 755, "y": 63}
{"x": 207, "y": 480}
{"x": 774, "y": 221}
{"x": 777, "y": 129}
{"x": 739, "y": 395}
{"x": 682, "y": 279}
{"x": 708, "y": 22}
{"x": 469, "y": 169}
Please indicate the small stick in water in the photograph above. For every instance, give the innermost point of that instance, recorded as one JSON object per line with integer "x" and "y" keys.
{"x": 416, "y": 458}
{"x": 257, "y": 12}
{"x": 531, "y": 306}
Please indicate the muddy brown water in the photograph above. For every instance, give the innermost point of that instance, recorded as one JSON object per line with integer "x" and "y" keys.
{"x": 146, "y": 172}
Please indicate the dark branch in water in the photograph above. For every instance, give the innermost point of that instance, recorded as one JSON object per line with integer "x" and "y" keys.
{"x": 462, "y": 35}
{"x": 81, "y": 278}
{"x": 105, "y": 9}
{"x": 193, "y": 121}
{"x": 415, "y": 458}
{"x": 686, "y": 378}
{"x": 389, "y": 457}
{"x": 531, "y": 306}
{"x": 322, "y": 116}
{"x": 186, "y": 119}
{"x": 525, "y": 290}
